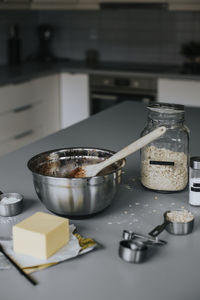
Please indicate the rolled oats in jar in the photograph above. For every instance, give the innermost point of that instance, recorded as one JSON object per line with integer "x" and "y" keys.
{"x": 164, "y": 162}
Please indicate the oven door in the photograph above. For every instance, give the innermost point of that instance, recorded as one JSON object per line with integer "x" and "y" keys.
{"x": 103, "y": 100}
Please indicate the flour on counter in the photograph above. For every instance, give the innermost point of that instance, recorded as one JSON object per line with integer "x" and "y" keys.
{"x": 9, "y": 220}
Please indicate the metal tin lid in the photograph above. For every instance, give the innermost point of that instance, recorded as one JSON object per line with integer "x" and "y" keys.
{"x": 195, "y": 162}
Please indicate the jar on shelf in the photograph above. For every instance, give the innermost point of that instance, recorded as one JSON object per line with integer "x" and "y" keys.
{"x": 164, "y": 162}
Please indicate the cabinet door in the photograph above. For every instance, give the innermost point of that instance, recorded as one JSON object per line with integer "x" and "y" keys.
{"x": 46, "y": 90}
{"x": 74, "y": 98}
{"x": 184, "y": 92}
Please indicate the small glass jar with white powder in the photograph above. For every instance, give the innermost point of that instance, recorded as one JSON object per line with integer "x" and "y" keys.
{"x": 164, "y": 162}
{"x": 194, "y": 181}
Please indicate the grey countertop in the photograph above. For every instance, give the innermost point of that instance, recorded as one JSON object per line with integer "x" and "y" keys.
{"x": 172, "y": 271}
{"x": 19, "y": 73}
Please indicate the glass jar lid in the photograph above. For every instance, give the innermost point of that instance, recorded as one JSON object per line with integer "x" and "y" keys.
{"x": 166, "y": 108}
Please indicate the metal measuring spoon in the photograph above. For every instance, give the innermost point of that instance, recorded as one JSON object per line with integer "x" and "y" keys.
{"x": 177, "y": 228}
{"x": 130, "y": 235}
{"x": 134, "y": 247}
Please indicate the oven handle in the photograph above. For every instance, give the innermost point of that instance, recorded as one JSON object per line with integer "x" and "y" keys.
{"x": 104, "y": 97}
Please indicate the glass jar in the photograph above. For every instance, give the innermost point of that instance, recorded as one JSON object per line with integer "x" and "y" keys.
{"x": 164, "y": 162}
{"x": 194, "y": 186}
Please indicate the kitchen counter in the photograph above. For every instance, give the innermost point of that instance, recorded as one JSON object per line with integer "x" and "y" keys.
{"x": 26, "y": 71}
{"x": 171, "y": 272}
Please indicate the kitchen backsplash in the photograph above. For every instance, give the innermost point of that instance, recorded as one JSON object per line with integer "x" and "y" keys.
{"x": 136, "y": 35}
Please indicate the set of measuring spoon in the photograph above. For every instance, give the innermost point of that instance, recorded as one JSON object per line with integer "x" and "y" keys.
{"x": 134, "y": 247}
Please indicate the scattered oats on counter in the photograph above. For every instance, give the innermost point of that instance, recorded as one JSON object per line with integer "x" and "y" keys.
{"x": 180, "y": 216}
{"x": 164, "y": 177}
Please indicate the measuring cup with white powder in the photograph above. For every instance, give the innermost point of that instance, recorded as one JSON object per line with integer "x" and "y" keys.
{"x": 11, "y": 204}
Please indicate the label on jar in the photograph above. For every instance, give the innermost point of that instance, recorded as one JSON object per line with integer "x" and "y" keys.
{"x": 194, "y": 193}
{"x": 161, "y": 163}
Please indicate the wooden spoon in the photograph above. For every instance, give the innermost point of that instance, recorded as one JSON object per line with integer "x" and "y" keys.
{"x": 93, "y": 170}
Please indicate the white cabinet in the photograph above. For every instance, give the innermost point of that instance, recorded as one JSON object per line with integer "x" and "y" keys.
{"x": 186, "y": 92}
{"x": 74, "y": 98}
{"x": 28, "y": 111}
{"x": 39, "y": 107}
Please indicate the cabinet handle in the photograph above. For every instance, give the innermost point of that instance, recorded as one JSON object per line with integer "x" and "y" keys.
{"x": 22, "y": 135}
{"x": 104, "y": 97}
{"x": 22, "y": 108}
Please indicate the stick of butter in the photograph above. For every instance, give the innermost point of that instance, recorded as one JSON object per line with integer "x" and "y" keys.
{"x": 40, "y": 235}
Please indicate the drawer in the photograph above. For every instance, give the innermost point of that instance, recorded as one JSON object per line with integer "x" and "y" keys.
{"x": 13, "y": 96}
{"x": 16, "y": 122}
{"x": 21, "y": 140}
{"x": 17, "y": 95}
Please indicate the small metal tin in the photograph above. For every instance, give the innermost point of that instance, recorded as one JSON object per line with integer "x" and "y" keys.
{"x": 13, "y": 208}
{"x": 132, "y": 251}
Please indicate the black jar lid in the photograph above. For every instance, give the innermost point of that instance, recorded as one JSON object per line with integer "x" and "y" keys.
{"x": 195, "y": 162}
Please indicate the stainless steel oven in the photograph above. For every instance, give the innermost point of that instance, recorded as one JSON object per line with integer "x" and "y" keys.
{"x": 108, "y": 90}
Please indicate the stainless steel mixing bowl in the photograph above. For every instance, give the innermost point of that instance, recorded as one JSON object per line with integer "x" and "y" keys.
{"x": 74, "y": 197}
